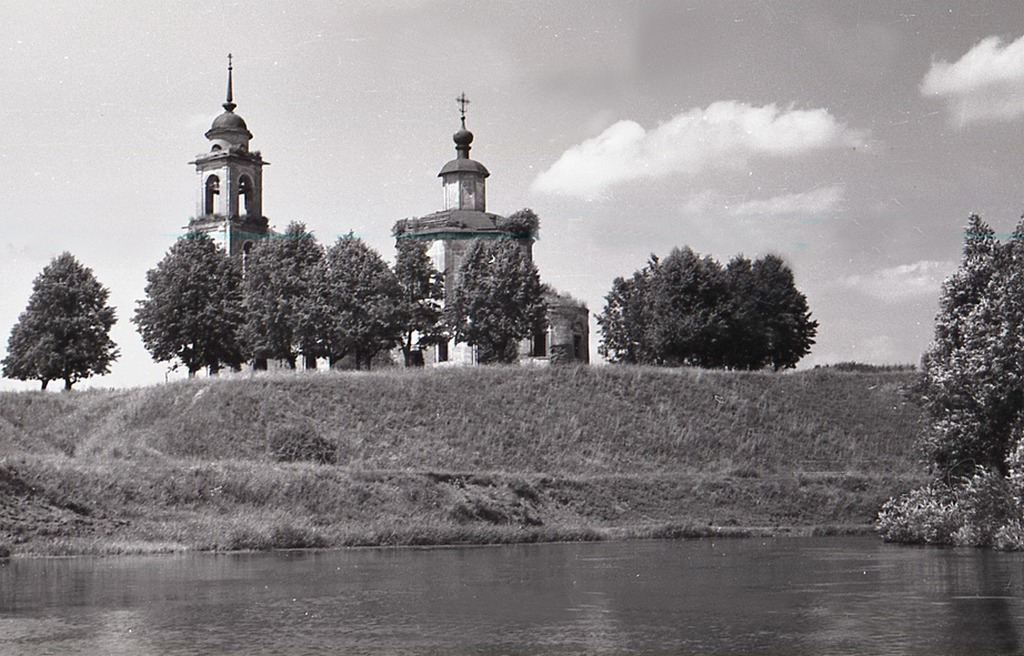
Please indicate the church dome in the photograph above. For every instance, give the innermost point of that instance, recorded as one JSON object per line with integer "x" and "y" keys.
{"x": 229, "y": 121}
{"x": 463, "y": 137}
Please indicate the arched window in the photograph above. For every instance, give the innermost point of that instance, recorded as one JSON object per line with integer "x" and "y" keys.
{"x": 212, "y": 191}
{"x": 245, "y": 194}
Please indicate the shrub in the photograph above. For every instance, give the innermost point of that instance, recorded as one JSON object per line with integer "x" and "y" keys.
{"x": 927, "y": 515}
{"x": 299, "y": 444}
{"x": 1010, "y": 537}
{"x": 986, "y": 505}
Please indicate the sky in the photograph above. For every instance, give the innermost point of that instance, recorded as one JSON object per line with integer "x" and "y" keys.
{"x": 851, "y": 139}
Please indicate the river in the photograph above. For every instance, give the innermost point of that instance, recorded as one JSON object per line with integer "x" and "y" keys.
{"x": 780, "y": 596}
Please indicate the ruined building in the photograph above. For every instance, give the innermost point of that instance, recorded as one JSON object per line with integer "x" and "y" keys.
{"x": 451, "y": 232}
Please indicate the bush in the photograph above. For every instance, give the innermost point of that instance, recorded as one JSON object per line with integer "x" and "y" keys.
{"x": 295, "y": 444}
{"x": 927, "y": 515}
{"x": 986, "y": 505}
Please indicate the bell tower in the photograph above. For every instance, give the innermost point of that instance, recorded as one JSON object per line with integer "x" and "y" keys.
{"x": 229, "y": 199}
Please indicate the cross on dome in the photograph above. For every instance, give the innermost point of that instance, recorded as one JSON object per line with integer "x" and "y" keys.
{"x": 463, "y": 101}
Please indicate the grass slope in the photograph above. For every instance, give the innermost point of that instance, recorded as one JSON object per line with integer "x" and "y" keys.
{"x": 451, "y": 456}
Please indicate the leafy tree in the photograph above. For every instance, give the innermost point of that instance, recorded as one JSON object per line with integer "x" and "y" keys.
{"x": 422, "y": 295}
{"x": 360, "y": 302}
{"x": 279, "y": 284}
{"x": 746, "y": 335}
{"x": 63, "y": 334}
{"x": 974, "y": 390}
{"x": 193, "y": 307}
{"x": 687, "y": 310}
{"x": 624, "y": 322}
{"x": 974, "y": 369}
{"x": 498, "y": 300}
{"x": 782, "y": 312}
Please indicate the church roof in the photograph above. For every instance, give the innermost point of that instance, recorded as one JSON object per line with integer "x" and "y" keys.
{"x": 229, "y": 121}
{"x": 451, "y": 223}
{"x": 464, "y": 164}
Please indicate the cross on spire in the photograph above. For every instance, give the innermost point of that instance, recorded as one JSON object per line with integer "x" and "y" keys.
{"x": 463, "y": 101}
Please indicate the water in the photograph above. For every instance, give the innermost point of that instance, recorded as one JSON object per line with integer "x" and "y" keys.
{"x": 779, "y": 596}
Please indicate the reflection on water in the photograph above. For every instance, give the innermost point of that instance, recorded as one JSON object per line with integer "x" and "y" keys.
{"x": 794, "y": 596}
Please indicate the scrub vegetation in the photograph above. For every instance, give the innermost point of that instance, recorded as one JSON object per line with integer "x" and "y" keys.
{"x": 453, "y": 456}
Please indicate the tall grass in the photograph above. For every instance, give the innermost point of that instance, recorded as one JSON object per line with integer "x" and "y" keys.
{"x": 442, "y": 456}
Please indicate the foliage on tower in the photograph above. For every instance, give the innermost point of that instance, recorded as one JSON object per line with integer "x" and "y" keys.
{"x": 63, "y": 334}
{"x": 523, "y": 224}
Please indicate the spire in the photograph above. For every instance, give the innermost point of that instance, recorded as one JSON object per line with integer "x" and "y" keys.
{"x": 229, "y": 105}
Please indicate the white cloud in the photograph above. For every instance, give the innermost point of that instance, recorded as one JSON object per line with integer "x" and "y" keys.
{"x": 804, "y": 204}
{"x": 900, "y": 283}
{"x": 986, "y": 84}
{"x": 725, "y": 135}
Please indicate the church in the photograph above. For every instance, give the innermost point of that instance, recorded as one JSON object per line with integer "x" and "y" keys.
{"x": 229, "y": 208}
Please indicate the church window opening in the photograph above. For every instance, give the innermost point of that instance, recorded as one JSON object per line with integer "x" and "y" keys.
{"x": 212, "y": 191}
{"x": 245, "y": 194}
{"x": 540, "y": 344}
{"x": 442, "y": 352}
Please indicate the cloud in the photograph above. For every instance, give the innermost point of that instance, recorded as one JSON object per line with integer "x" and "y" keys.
{"x": 986, "y": 84}
{"x": 903, "y": 282}
{"x": 726, "y": 135}
{"x": 804, "y": 204}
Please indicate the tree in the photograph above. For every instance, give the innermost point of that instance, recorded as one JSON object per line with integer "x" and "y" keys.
{"x": 624, "y": 321}
{"x": 747, "y": 334}
{"x": 422, "y": 295}
{"x": 360, "y": 302}
{"x": 497, "y": 301}
{"x": 974, "y": 369}
{"x": 193, "y": 307}
{"x": 279, "y": 284}
{"x": 63, "y": 334}
{"x": 782, "y": 313}
{"x": 974, "y": 391}
{"x": 687, "y": 310}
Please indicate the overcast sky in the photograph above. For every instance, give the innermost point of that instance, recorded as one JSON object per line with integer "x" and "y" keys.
{"x": 851, "y": 138}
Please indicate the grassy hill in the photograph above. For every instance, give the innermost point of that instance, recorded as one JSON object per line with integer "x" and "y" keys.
{"x": 454, "y": 455}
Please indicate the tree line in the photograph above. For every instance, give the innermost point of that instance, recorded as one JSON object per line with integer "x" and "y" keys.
{"x": 291, "y": 298}
{"x": 288, "y": 298}
{"x": 687, "y": 309}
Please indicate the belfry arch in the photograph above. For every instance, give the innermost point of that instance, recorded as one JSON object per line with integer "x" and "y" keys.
{"x": 211, "y": 191}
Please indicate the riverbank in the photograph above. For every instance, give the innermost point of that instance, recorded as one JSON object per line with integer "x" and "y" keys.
{"x": 461, "y": 456}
